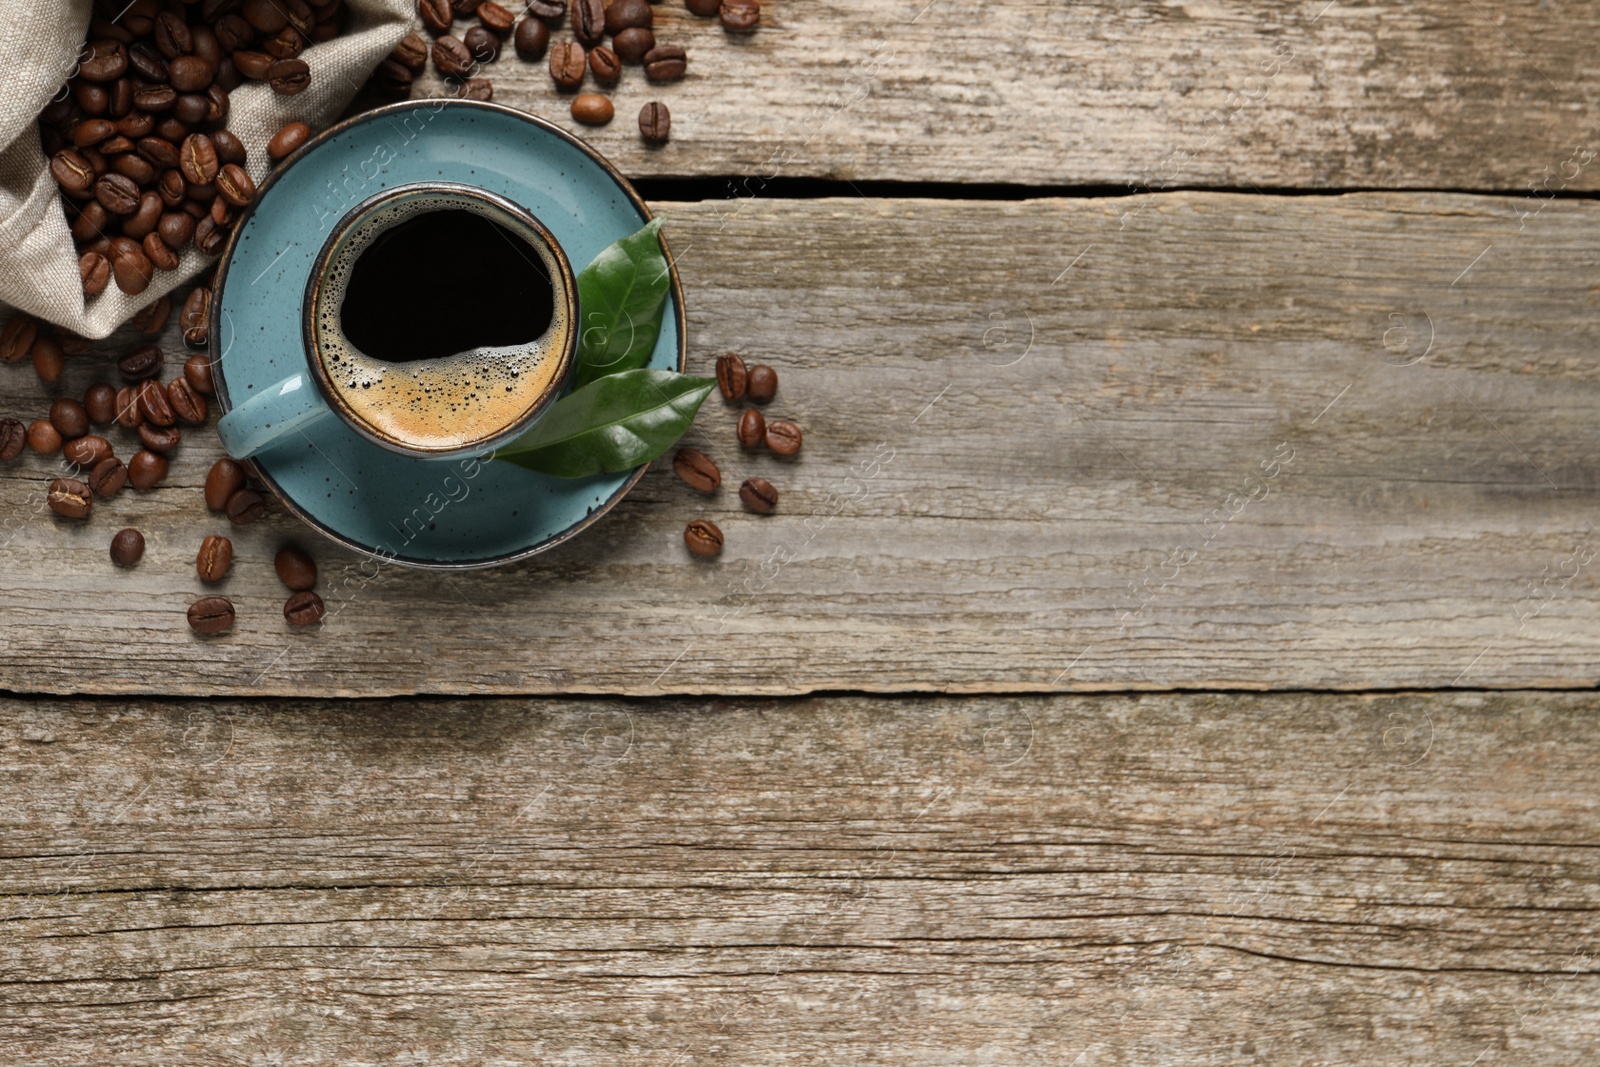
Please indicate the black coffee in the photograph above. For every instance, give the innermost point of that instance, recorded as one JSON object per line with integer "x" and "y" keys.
{"x": 445, "y": 282}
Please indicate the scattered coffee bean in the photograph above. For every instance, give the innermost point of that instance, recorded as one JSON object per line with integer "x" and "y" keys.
{"x": 633, "y": 45}
{"x": 436, "y": 15}
{"x": 197, "y": 370}
{"x": 72, "y": 171}
{"x": 128, "y": 416}
{"x": 655, "y": 123}
{"x": 531, "y": 39}
{"x": 665, "y": 63}
{"x": 452, "y": 57}
{"x": 48, "y": 359}
{"x": 69, "y": 417}
{"x": 16, "y": 341}
{"x": 605, "y": 65}
{"x": 783, "y": 437}
{"x": 568, "y": 61}
{"x": 214, "y": 558}
{"x": 732, "y": 378}
{"x": 703, "y": 538}
{"x": 235, "y": 186}
{"x": 588, "y": 21}
{"x": 100, "y": 401}
{"x": 763, "y": 384}
{"x": 127, "y": 548}
{"x": 154, "y": 405}
{"x": 481, "y": 89}
{"x": 209, "y": 237}
{"x": 550, "y": 10}
{"x": 245, "y": 507}
{"x": 592, "y": 109}
{"x": 304, "y": 609}
{"x": 43, "y": 438}
{"x": 289, "y": 76}
{"x": 188, "y": 404}
{"x": 13, "y": 439}
{"x": 143, "y": 362}
{"x": 229, "y": 148}
{"x": 160, "y": 255}
{"x": 224, "y": 479}
{"x": 197, "y": 159}
{"x": 291, "y": 135}
{"x": 295, "y": 569}
{"x": 481, "y": 44}
{"x": 496, "y": 17}
{"x": 758, "y": 495}
{"x": 195, "y": 318}
{"x": 94, "y": 271}
{"x": 159, "y": 438}
{"x": 626, "y": 14}
{"x": 131, "y": 269}
{"x": 696, "y": 470}
{"x": 70, "y": 498}
{"x": 146, "y": 469}
{"x": 704, "y": 8}
{"x": 118, "y": 194}
{"x": 86, "y": 451}
{"x": 740, "y": 16}
{"x": 108, "y": 477}
{"x": 752, "y": 428}
{"x": 211, "y": 615}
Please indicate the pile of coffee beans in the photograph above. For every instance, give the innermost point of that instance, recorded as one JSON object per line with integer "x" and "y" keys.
{"x": 699, "y": 472}
{"x": 606, "y": 36}
{"x": 138, "y": 139}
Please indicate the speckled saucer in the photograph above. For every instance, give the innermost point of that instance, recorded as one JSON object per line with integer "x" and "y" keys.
{"x": 422, "y": 513}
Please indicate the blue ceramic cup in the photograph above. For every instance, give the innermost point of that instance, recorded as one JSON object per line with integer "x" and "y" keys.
{"x": 463, "y": 403}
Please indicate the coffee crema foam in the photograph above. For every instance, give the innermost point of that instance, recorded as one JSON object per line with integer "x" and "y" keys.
{"x": 453, "y": 401}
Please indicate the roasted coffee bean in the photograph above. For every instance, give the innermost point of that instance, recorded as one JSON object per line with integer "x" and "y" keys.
{"x": 113, "y": 146}
{"x": 588, "y": 21}
{"x": 665, "y": 63}
{"x": 191, "y": 108}
{"x": 107, "y": 61}
{"x": 211, "y": 615}
{"x": 626, "y": 14}
{"x": 43, "y": 438}
{"x": 290, "y": 136}
{"x": 568, "y": 61}
{"x": 217, "y": 104}
{"x": 158, "y": 253}
{"x": 253, "y": 64}
{"x": 592, "y": 109}
{"x": 633, "y": 45}
{"x": 118, "y": 194}
{"x": 758, "y": 495}
{"x": 146, "y": 469}
{"x": 94, "y": 271}
{"x": 465, "y": 8}
{"x": 223, "y": 213}
{"x": 128, "y": 416}
{"x": 195, "y": 319}
{"x": 783, "y": 437}
{"x": 16, "y": 340}
{"x": 121, "y": 101}
{"x": 152, "y": 318}
{"x": 223, "y": 480}
{"x": 70, "y": 498}
{"x": 289, "y": 76}
{"x": 495, "y": 17}
{"x": 393, "y": 79}
{"x": 233, "y": 32}
{"x": 531, "y": 39}
{"x": 703, "y": 538}
{"x": 108, "y": 477}
{"x": 411, "y": 53}
{"x": 550, "y": 10}
{"x": 704, "y": 8}
{"x": 159, "y": 438}
{"x": 197, "y": 158}
{"x": 48, "y": 358}
{"x": 606, "y": 66}
{"x": 245, "y": 507}
{"x": 451, "y": 57}
{"x": 187, "y": 404}
{"x": 172, "y": 188}
{"x": 91, "y": 132}
{"x": 92, "y": 220}
{"x": 752, "y": 428}
{"x": 235, "y": 186}
{"x": 72, "y": 171}
{"x": 69, "y": 417}
{"x": 763, "y": 384}
{"x": 483, "y": 45}
{"x": 92, "y": 99}
{"x": 130, "y": 267}
{"x": 190, "y": 74}
{"x": 304, "y": 609}
{"x": 154, "y": 405}
{"x": 436, "y": 15}
{"x": 136, "y": 124}
{"x": 655, "y": 123}
{"x": 142, "y": 223}
{"x": 229, "y": 148}
{"x": 172, "y": 35}
{"x": 267, "y": 16}
{"x": 481, "y": 89}
{"x": 100, "y": 401}
{"x": 696, "y": 470}
{"x": 197, "y": 371}
{"x": 732, "y": 378}
{"x": 143, "y": 362}
{"x": 13, "y": 439}
{"x": 285, "y": 44}
{"x": 86, "y": 451}
{"x": 295, "y": 569}
{"x": 209, "y": 238}
{"x": 214, "y": 558}
{"x": 127, "y": 548}
{"x": 131, "y": 165}
{"x": 740, "y": 16}
{"x": 146, "y": 64}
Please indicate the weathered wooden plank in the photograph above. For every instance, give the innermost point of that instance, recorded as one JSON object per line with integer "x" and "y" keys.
{"x": 1051, "y": 444}
{"x": 1428, "y": 94}
{"x": 1171, "y": 879}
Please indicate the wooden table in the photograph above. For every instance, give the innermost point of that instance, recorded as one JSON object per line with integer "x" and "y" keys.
{"x": 1176, "y": 644}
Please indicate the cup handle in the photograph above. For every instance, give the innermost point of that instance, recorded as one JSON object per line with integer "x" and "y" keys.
{"x": 271, "y": 415}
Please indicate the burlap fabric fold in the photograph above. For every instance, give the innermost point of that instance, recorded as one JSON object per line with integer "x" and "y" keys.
{"x": 38, "y": 52}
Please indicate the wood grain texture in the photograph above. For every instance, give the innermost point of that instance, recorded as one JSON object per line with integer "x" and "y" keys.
{"x": 1172, "y": 879}
{"x": 1155, "y": 93}
{"x": 1100, "y": 444}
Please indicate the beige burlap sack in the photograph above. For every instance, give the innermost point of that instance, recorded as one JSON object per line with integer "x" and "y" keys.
{"x": 38, "y": 51}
